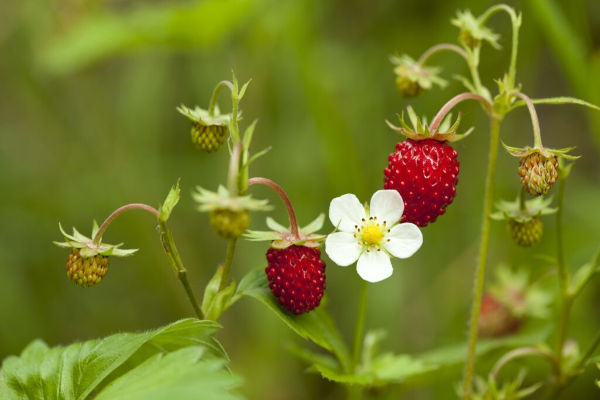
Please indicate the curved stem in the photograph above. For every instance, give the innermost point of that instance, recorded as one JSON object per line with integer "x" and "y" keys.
{"x": 480, "y": 271}
{"x": 228, "y": 262}
{"x": 537, "y": 137}
{"x": 442, "y": 47}
{"x": 521, "y": 352}
{"x": 166, "y": 238}
{"x": 516, "y": 23}
{"x": 563, "y": 277}
{"x": 117, "y": 212}
{"x": 284, "y": 197}
{"x": 360, "y": 323}
{"x": 215, "y": 94}
{"x": 437, "y": 120}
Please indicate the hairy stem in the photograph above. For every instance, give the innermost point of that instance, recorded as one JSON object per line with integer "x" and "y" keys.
{"x": 437, "y": 120}
{"x": 563, "y": 278}
{"x": 480, "y": 271}
{"x": 360, "y": 323}
{"x": 166, "y": 238}
{"x": 234, "y": 169}
{"x": 442, "y": 47}
{"x": 117, "y": 212}
{"x": 228, "y": 262}
{"x": 473, "y": 63}
{"x": 215, "y": 94}
{"x": 537, "y": 137}
{"x": 516, "y": 24}
{"x": 284, "y": 197}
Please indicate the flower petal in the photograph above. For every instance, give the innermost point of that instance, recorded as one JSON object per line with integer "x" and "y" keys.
{"x": 342, "y": 248}
{"x": 374, "y": 266}
{"x": 387, "y": 205}
{"x": 404, "y": 240}
{"x": 345, "y": 212}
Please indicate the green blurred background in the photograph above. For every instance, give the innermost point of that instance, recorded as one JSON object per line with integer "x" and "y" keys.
{"x": 88, "y": 123}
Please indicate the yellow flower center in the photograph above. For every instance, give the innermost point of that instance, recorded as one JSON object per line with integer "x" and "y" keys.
{"x": 371, "y": 233}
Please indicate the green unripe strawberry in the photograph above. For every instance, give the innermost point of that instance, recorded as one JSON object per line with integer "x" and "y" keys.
{"x": 229, "y": 223}
{"x": 538, "y": 172}
{"x": 408, "y": 87}
{"x": 526, "y": 233}
{"x": 208, "y": 138}
{"x": 86, "y": 271}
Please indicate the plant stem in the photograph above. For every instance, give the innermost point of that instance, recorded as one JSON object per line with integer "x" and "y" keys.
{"x": 228, "y": 261}
{"x": 215, "y": 94}
{"x": 480, "y": 272}
{"x": 521, "y": 352}
{"x": 234, "y": 170}
{"x": 589, "y": 353}
{"x": 537, "y": 137}
{"x": 441, "y": 47}
{"x": 516, "y": 24}
{"x": 117, "y": 212}
{"x": 284, "y": 197}
{"x": 168, "y": 243}
{"x": 437, "y": 120}
{"x": 563, "y": 278}
{"x": 360, "y": 324}
{"x": 473, "y": 63}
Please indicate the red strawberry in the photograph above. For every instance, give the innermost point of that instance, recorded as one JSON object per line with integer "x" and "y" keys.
{"x": 496, "y": 319}
{"x": 425, "y": 173}
{"x": 297, "y": 277}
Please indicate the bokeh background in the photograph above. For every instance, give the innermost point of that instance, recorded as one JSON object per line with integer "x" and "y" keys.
{"x": 88, "y": 123}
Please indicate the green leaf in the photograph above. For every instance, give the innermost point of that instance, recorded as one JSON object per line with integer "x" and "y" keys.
{"x": 317, "y": 325}
{"x": 170, "y": 203}
{"x": 215, "y": 302}
{"x": 422, "y": 368}
{"x": 75, "y": 371}
{"x": 182, "y": 374}
{"x": 556, "y": 100}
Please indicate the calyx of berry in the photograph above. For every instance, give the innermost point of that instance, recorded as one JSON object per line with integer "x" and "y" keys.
{"x": 223, "y": 200}
{"x": 88, "y": 247}
{"x": 473, "y": 32}
{"x": 283, "y": 237}
{"x": 205, "y": 117}
{"x": 419, "y": 129}
{"x": 523, "y": 211}
{"x": 544, "y": 151}
{"x": 412, "y": 77}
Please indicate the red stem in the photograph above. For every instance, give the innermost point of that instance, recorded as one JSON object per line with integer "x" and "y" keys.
{"x": 437, "y": 120}
{"x": 116, "y": 213}
{"x": 284, "y": 197}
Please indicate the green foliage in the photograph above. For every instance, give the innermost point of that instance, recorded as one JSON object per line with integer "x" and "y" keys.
{"x": 170, "y": 202}
{"x": 181, "y": 359}
{"x": 317, "y": 325}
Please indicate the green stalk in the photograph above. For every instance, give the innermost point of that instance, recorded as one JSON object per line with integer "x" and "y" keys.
{"x": 168, "y": 243}
{"x": 563, "y": 279}
{"x": 215, "y": 95}
{"x": 228, "y": 261}
{"x": 360, "y": 323}
{"x": 480, "y": 272}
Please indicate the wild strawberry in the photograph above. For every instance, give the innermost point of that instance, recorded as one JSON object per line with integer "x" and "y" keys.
{"x": 229, "y": 223}
{"x": 473, "y": 32}
{"x": 412, "y": 77}
{"x": 88, "y": 262}
{"x": 525, "y": 226}
{"x": 86, "y": 271}
{"x": 296, "y": 277}
{"x": 425, "y": 173}
{"x": 209, "y": 128}
{"x": 496, "y": 318}
{"x": 526, "y": 233}
{"x": 538, "y": 173}
{"x": 229, "y": 214}
{"x": 424, "y": 168}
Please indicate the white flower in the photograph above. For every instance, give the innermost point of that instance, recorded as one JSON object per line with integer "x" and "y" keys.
{"x": 371, "y": 234}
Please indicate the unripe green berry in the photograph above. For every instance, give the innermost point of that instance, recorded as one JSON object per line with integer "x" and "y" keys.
{"x": 208, "y": 138}
{"x": 408, "y": 87}
{"x": 538, "y": 173}
{"x": 526, "y": 233}
{"x": 229, "y": 223}
{"x": 467, "y": 39}
{"x": 86, "y": 271}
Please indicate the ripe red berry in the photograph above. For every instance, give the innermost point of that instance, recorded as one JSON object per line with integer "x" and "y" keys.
{"x": 425, "y": 173}
{"x": 496, "y": 319}
{"x": 296, "y": 277}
